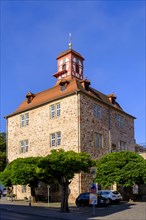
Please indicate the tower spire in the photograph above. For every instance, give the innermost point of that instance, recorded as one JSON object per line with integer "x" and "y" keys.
{"x": 70, "y": 41}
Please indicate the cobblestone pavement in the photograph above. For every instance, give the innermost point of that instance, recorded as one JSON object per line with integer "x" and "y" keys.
{"x": 123, "y": 211}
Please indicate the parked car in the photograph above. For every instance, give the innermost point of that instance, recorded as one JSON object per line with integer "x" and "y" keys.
{"x": 83, "y": 200}
{"x": 113, "y": 195}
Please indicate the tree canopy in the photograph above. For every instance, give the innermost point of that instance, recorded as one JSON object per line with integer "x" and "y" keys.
{"x": 63, "y": 165}
{"x": 59, "y": 166}
{"x": 125, "y": 168}
{"x": 21, "y": 171}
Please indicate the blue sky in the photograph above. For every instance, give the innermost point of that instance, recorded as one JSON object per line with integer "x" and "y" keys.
{"x": 110, "y": 35}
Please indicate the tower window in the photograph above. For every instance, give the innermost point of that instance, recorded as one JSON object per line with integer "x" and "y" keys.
{"x": 64, "y": 66}
{"x": 77, "y": 68}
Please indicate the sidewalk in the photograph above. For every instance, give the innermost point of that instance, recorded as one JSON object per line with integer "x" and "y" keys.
{"x": 45, "y": 209}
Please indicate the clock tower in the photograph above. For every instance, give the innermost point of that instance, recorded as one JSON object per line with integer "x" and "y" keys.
{"x": 70, "y": 65}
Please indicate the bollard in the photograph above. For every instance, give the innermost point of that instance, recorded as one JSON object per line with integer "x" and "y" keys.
{"x": 29, "y": 200}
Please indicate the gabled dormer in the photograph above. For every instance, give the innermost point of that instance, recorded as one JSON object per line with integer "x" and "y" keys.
{"x": 70, "y": 64}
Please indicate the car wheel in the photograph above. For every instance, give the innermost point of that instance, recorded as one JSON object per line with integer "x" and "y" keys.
{"x": 108, "y": 201}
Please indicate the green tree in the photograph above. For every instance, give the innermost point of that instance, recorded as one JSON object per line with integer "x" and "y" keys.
{"x": 22, "y": 171}
{"x": 63, "y": 166}
{"x": 2, "y": 151}
{"x": 125, "y": 168}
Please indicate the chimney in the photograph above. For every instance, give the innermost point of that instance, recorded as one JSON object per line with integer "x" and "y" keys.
{"x": 30, "y": 97}
{"x": 112, "y": 97}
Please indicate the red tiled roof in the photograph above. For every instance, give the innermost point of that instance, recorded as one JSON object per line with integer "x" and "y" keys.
{"x": 68, "y": 51}
{"x": 55, "y": 93}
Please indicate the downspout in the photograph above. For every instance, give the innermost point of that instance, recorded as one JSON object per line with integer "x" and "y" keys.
{"x": 109, "y": 129}
{"x": 79, "y": 137}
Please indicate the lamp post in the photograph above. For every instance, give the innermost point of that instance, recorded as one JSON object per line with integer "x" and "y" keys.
{"x": 48, "y": 186}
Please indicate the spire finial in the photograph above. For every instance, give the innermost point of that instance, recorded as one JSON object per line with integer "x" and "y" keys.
{"x": 70, "y": 41}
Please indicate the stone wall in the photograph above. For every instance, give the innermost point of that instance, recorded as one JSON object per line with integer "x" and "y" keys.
{"x": 41, "y": 126}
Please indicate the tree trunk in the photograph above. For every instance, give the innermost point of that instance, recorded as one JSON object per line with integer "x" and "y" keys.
{"x": 64, "y": 197}
{"x": 33, "y": 196}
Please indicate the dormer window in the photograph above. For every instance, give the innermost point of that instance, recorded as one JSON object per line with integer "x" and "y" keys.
{"x": 30, "y": 97}
{"x": 63, "y": 87}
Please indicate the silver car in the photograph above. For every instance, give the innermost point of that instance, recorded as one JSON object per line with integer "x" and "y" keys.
{"x": 113, "y": 195}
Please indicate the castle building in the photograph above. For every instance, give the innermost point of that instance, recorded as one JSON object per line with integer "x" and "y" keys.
{"x": 71, "y": 115}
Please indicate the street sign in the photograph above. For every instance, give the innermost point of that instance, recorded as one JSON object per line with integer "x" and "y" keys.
{"x": 93, "y": 199}
{"x": 93, "y": 188}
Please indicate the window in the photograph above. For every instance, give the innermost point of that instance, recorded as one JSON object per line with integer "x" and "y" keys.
{"x": 24, "y": 120}
{"x": 63, "y": 87}
{"x": 23, "y": 188}
{"x": 64, "y": 66}
{"x": 27, "y": 118}
{"x": 55, "y": 110}
{"x": 55, "y": 139}
{"x": 97, "y": 111}
{"x": 24, "y": 146}
{"x": 114, "y": 148}
{"x": 52, "y": 111}
{"x": 122, "y": 145}
{"x": 77, "y": 68}
{"x": 120, "y": 121}
{"x": 98, "y": 140}
{"x": 58, "y": 109}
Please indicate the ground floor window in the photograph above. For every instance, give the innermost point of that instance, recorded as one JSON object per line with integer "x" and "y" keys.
{"x": 55, "y": 139}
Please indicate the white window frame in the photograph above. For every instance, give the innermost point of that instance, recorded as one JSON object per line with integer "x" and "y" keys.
{"x": 55, "y": 110}
{"x": 97, "y": 111}
{"x": 55, "y": 139}
{"x": 24, "y": 146}
{"x": 98, "y": 140}
{"x": 24, "y": 119}
{"x": 52, "y": 111}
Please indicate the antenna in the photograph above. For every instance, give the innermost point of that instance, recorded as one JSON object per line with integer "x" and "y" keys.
{"x": 70, "y": 41}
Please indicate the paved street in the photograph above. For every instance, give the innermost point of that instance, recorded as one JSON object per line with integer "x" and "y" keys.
{"x": 20, "y": 210}
{"x": 8, "y": 215}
